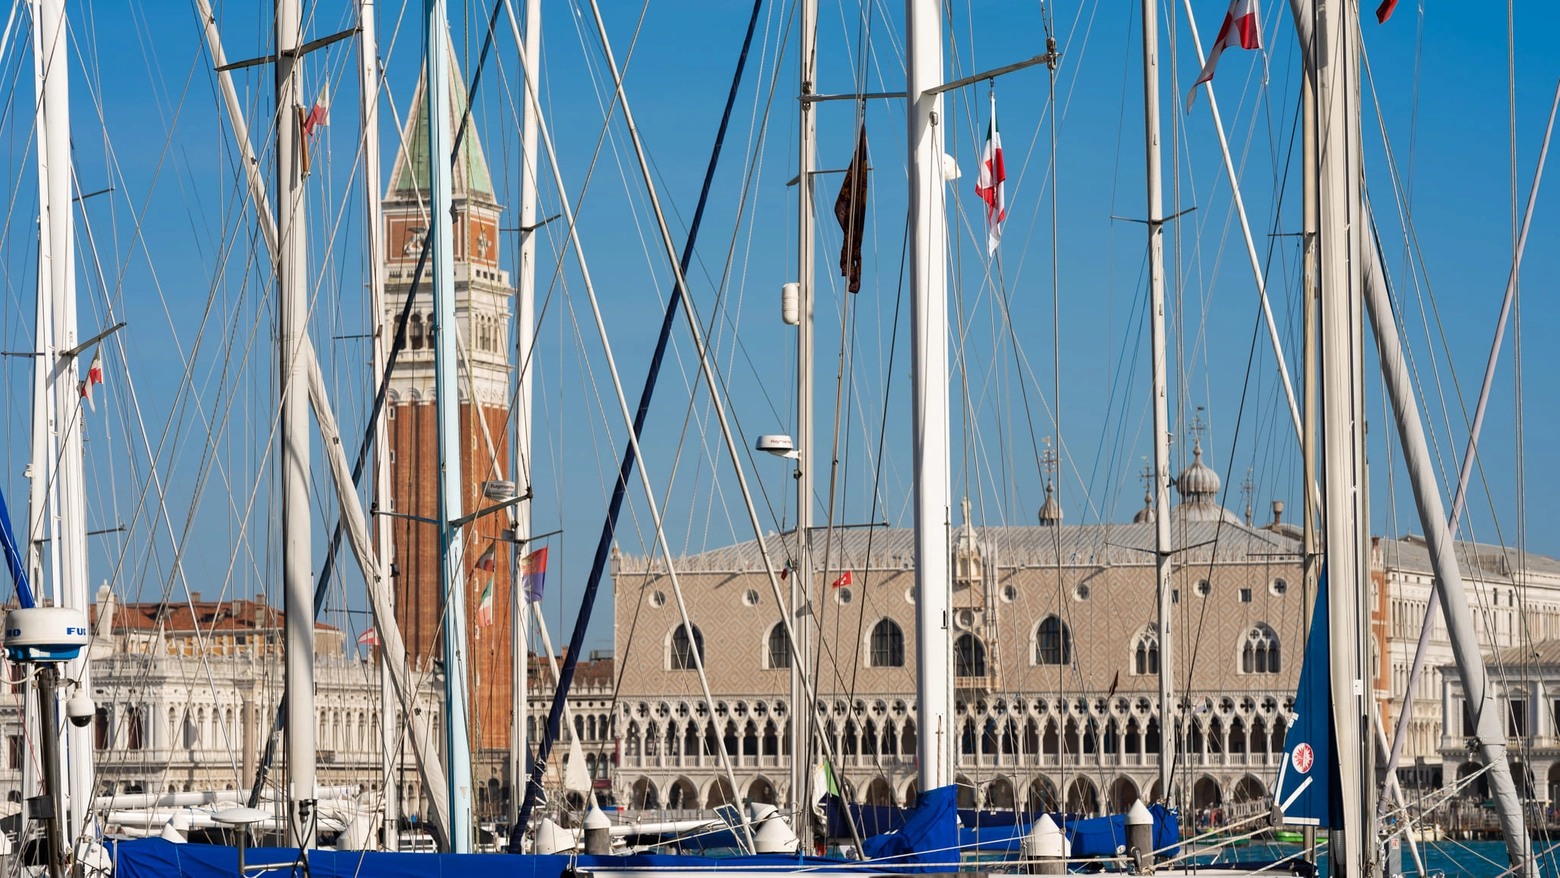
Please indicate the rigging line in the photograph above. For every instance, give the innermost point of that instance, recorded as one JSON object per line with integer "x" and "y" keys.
{"x": 619, "y": 489}
{"x": 877, "y": 474}
{"x": 1470, "y": 454}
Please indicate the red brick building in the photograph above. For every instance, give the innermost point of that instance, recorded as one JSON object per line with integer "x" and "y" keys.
{"x": 483, "y": 315}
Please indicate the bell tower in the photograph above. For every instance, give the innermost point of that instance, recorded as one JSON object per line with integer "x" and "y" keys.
{"x": 483, "y": 315}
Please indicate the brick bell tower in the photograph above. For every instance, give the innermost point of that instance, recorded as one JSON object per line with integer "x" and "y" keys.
{"x": 483, "y": 313}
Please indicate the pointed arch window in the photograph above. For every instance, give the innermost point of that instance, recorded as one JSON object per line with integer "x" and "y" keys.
{"x": 683, "y": 648}
{"x": 1260, "y": 653}
{"x": 969, "y": 656}
{"x": 1053, "y": 642}
{"x": 779, "y": 650}
{"x": 888, "y": 645}
{"x": 1145, "y": 652}
{"x": 417, "y": 332}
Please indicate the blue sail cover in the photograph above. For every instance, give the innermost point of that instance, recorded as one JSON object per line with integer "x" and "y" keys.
{"x": 1308, "y": 790}
{"x": 929, "y": 839}
{"x": 155, "y": 858}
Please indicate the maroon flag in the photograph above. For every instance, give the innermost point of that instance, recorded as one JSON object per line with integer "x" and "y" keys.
{"x": 850, "y": 208}
{"x": 1384, "y": 11}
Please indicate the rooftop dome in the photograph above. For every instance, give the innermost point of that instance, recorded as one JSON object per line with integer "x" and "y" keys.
{"x": 1050, "y": 511}
{"x": 1146, "y": 514}
{"x": 1199, "y": 485}
{"x": 1198, "y": 480}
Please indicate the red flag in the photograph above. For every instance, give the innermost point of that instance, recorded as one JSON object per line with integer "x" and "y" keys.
{"x": 1242, "y": 29}
{"x": 369, "y": 637}
{"x": 488, "y": 560}
{"x": 843, "y": 581}
{"x": 319, "y": 115}
{"x": 991, "y": 185}
{"x": 94, "y": 376}
{"x": 1384, "y": 11}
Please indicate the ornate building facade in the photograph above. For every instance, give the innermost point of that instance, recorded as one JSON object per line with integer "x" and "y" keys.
{"x": 1056, "y": 655}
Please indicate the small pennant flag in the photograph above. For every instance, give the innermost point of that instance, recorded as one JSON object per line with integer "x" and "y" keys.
{"x": 1242, "y": 29}
{"x": 488, "y": 561}
{"x": 533, "y": 574}
{"x": 1203, "y": 705}
{"x": 991, "y": 185}
{"x": 369, "y": 637}
{"x": 1115, "y": 681}
{"x": 843, "y": 581}
{"x": 319, "y": 115}
{"x": 94, "y": 377}
{"x": 785, "y": 572}
{"x": 485, "y": 606}
{"x": 1384, "y": 11}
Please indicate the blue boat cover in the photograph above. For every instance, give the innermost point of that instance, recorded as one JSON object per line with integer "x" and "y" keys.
{"x": 929, "y": 839}
{"x": 1308, "y": 790}
{"x": 155, "y": 858}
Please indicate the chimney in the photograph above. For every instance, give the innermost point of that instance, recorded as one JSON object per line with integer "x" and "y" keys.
{"x": 194, "y": 597}
{"x": 1278, "y": 512}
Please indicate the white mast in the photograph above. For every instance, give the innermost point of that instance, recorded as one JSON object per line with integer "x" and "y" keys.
{"x": 71, "y": 552}
{"x": 1340, "y": 238}
{"x": 929, "y": 386}
{"x": 802, "y": 583}
{"x": 452, "y": 573}
{"x": 368, "y": 107}
{"x": 297, "y": 531}
{"x": 525, "y": 333}
{"x": 43, "y": 494}
{"x": 1163, "y": 550}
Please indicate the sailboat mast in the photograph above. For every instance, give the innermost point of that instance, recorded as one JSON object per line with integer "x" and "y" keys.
{"x": 384, "y": 536}
{"x": 802, "y": 583}
{"x": 1340, "y": 238}
{"x": 297, "y": 529}
{"x": 452, "y": 590}
{"x": 525, "y": 333}
{"x": 72, "y": 548}
{"x": 1163, "y": 551}
{"x": 929, "y": 389}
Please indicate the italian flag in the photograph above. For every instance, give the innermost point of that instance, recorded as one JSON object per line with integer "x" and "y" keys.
{"x": 990, "y": 186}
{"x": 485, "y": 606}
{"x": 1242, "y": 29}
{"x": 94, "y": 376}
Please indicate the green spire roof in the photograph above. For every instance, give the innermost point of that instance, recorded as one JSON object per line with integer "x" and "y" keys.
{"x": 411, "y": 164}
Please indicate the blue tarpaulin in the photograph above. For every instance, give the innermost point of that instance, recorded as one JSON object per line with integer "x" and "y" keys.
{"x": 155, "y": 858}
{"x": 929, "y": 839}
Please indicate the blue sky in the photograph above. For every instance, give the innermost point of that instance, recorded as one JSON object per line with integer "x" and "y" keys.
{"x": 177, "y": 257}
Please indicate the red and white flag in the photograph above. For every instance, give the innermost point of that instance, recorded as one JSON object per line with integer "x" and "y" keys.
{"x": 369, "y": 637}
{"x": 488, "y": 560}
{"x": 991, "y": 184}
{"x": 94, "y": 376}
{"x": 319, "y": 115}
{"x": 1242, "y": 30}
{"x": 843, "y": 581}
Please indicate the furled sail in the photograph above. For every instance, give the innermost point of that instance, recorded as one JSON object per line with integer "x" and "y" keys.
{"x": 1308, "y": 791}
